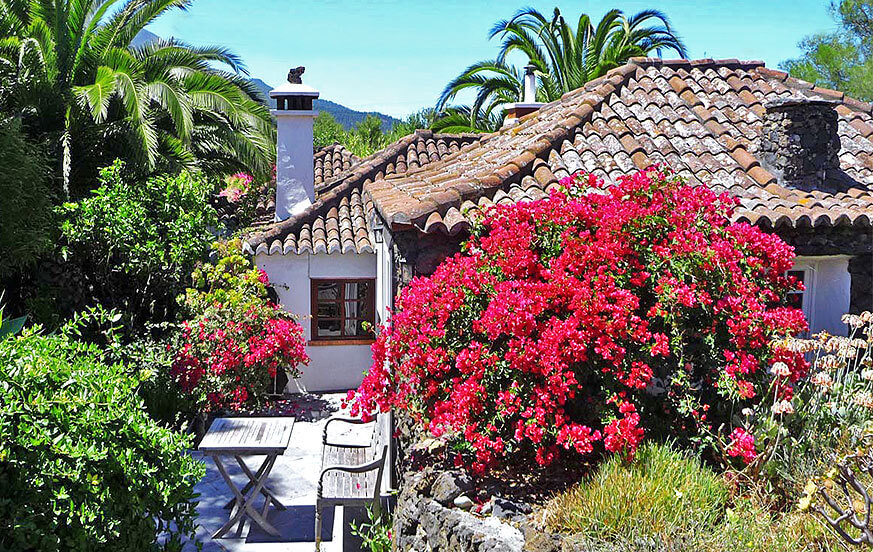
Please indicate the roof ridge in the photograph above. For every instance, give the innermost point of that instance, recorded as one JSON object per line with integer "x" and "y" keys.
{"x": 643, "y": 61}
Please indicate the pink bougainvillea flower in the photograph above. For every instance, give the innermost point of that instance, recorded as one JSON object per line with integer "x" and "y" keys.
{"x": 572, "y": 323}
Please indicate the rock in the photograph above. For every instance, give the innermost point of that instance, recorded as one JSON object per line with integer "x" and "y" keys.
{"x": 536, "y": 540}
{"x": 507, "y": 509}
{"x": 463, "y": 502}
{"x": 486, "y": 508}
{"x": 450, "y": 485}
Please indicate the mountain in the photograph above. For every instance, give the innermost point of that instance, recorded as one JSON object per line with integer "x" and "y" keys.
{"x": 345, "y": 116}
{"x": 143, "y": 37}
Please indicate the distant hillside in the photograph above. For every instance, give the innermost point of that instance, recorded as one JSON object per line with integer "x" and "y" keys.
{"x": 344, "y": 116}
{"x": 348, "y": 118}
{"x": 143, "y": 37}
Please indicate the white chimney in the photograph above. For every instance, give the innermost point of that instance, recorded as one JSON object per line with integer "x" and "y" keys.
{"x": 530, "y": 85}
{"x": 529, "y": 104}
{"x": 295, "y": 174}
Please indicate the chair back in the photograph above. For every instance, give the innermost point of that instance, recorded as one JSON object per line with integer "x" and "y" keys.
{"x": 377, "y": 442}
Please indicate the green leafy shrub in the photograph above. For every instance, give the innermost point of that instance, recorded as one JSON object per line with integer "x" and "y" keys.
{"x": 137, "y": 241}
{"x": 26, "y": 218}
{"x": 375, "y": 533}
{"x": 82, "y": 466}
{"x": 235, "y": 338}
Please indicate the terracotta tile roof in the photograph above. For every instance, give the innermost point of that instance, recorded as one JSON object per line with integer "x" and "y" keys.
{"x": 338, "y": 221}
{"x": 702, "y": 118}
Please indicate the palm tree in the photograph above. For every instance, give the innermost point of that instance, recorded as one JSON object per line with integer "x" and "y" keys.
{"x": 70, "y": 70}
{"x": 564, "y": 59}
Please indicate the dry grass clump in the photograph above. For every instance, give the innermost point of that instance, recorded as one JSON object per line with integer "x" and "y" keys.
{"x": 667, "y": 501}
{"x": 663, "y": 492}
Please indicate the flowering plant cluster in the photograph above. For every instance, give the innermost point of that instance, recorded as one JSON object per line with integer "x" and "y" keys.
{"x": 235, "y": 339}
{"x": 237, "y": 185}
{"x": 582, "y": 321}
{"x": 830, "y": 406}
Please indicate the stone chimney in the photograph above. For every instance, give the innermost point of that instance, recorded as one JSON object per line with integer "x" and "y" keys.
{"x": 529, "y": 104}
{"x": 295, "y": 173}
{"x": 799, "y": 143}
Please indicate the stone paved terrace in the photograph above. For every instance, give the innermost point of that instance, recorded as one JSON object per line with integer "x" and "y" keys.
{"x": 294, "y": 480}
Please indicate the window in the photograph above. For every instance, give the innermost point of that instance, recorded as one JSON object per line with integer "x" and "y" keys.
{"x": 795, "y": 298}
{"x": 340, "y": 309}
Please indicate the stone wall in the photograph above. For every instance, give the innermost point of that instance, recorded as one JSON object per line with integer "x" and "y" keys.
{"x": 442, "y": 509}
{"x": 799, "y": 142}
{"x": 418, "y": 254}
{"x": 861, "y": 270}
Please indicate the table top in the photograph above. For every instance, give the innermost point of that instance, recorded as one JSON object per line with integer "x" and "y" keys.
{"x": 247, "y": 436}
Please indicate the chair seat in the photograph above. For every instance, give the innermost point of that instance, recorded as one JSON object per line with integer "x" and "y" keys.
{"x": 343, "y": 456}
{"x": 340, "y": 485}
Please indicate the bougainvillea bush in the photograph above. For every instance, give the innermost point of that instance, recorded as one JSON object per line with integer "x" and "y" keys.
{"x": 583, "y": 321}
{"x": 236, "y": 338}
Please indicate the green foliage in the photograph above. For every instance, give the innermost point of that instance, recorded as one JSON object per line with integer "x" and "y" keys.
{"x": 368, "y": 136}
{"x": 137, "y": 241}
{"x": 843, "y": 59}
{"x": 326, "y": 130}
{"x": 235, "y": 338}
{"x": 82, "y": 466}
{"x": 375, "y": 533}
{"x": 564, "y": 59}
{"x": 71, "y": 69}
{"x": 25, "y": 208}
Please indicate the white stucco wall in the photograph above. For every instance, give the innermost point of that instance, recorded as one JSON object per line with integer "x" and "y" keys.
{"x": 295, "y": 180}
{"x": 331, "y": 367}
{"x": 828, "y": 292}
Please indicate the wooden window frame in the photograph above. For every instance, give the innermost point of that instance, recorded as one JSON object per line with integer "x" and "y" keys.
{"x": 370, "y": 301}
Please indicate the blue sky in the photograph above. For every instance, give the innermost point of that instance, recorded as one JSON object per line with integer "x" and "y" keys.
{"x": 395, "y": 56}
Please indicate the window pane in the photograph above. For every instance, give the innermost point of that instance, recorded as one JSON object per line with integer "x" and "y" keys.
{"x": 799, "y": 274}
{"x": 359, "y": 309}
{"x": 328, "y": 310}
{"x": 328, "y": 328}
{"x": 355, "y": 328}
{"x": 795, "y": 300}
{"x": 328, "y": 291}
{"x": 357, "y": 290}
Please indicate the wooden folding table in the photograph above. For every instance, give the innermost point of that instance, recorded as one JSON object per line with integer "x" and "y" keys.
{"x": 238, "y": 437}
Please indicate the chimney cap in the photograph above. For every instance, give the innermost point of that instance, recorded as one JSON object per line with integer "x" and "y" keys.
{"x": 294, "y": 86}
{"x": 288, "y": 89}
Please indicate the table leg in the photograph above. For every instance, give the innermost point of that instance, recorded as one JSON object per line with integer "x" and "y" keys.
{"x": 251, "y": 482}
{"x": 239, "y": 499}
{"x": 244, "y": 504}
{"x": 268, "y": 494}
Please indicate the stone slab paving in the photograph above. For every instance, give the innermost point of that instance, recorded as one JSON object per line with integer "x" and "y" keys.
{"x": 294, "y": 479}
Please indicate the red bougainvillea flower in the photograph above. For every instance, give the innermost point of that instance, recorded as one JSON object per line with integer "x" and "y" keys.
{"x": 742, "y": 445}
{"x": 581, "y": 320}
{"x": 236, "y": 339}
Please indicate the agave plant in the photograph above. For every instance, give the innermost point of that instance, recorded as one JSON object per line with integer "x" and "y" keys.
{"x": 72, "y": 71}
{"x": 564, "y": 58}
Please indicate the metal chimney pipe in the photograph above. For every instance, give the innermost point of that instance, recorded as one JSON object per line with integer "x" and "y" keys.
{"x": 530, "y": 84}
